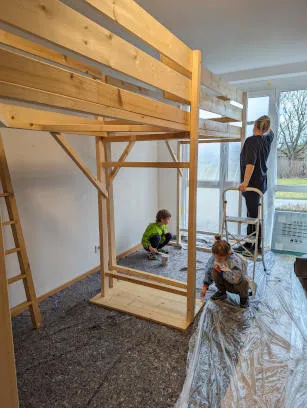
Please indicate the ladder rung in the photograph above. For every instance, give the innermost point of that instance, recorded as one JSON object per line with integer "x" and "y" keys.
{"x": 20, "y": 308}
{"x": 243, "y": 220}
{"x": 12, "y": 251}
{"x": 8, "y": 223}
{"x": 16, "y": 278}
{"x": 4, "y": 194}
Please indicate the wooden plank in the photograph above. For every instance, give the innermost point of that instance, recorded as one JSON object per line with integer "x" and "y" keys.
{"x": 78, "y": 161}
{"x": 147, "y": 137}
{"x": 25, "y": 71}
{"x": 218, "y": 85}
{"x": 178, "y": 199}
{"x": 123, "y": 157}
{"x": 18, "y": 237}
{"x": 23, "y": 93}
{"x": 8, "y": 381}
{"x": 213, "y": 140}
{"x": 159, "y": 165}
{"x": 71, "y": 128}
{"x": 230, "y": 133}
{"x": 191, "y": 279}
{"x": 173, "y": 156}
{"x": 110, "y": 210}
{"x": 135, "y": 19}
{"x": 243, "y": 135}
{"x": 41, "y": 51}
{"x": 212, "y": 104}
{"x": 147, "y": 283}
{"x": 16, "y": 278}
{"x": 128, "y": 252}
{"x": 152, "y": 304}
{"x": 81, "y": 35}
{"x": 132, "y": 87}
{"x": 102, "y": 216}
{"x": 177, "y": 67}
{"x": 150, "y": 276}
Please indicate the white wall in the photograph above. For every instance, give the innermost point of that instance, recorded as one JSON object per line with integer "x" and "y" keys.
{"x": 58, "y": 206}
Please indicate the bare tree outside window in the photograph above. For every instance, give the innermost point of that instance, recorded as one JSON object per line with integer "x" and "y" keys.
{"x": 292, "y": 146}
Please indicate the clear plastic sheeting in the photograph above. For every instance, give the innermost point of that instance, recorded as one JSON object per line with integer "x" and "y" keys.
{"x": 255, "y": 357}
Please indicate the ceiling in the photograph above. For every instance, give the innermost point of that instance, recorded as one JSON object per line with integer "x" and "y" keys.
{"x": 236, "y": 35}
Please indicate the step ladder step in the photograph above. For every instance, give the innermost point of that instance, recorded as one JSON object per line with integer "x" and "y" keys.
{"x": 16, "y": 278}
{"x": 12, "y": 251}
{"x": 250, "y": 240}
{"x": 8, "y": 223}
{"x": 243, "y": 220}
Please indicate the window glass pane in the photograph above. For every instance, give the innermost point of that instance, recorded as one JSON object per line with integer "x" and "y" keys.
{"x": 209, "y": 161}
{"x": 208, "y": 202}
{"x": 232, "y": 209}
{"x": 257, "y": 107}
{"x": 234, "y": 162}
{"x": 249, "y": 130}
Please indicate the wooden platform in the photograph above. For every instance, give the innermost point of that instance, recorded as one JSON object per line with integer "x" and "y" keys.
{"x": 162, "y": 307}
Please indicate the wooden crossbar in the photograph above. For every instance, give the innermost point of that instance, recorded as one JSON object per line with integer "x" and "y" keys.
{"x": 123, "y": 157}
{"x": 162, "y": 165}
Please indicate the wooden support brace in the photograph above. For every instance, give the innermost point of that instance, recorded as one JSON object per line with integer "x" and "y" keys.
{"x": 173, "y": 156}
{"x": 82, "y": 166}
{"x": 162, "y": 165}
{"x": 123, "y": 157}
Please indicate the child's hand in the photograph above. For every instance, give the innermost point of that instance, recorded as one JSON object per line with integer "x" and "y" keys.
{"x": 152, "y": 250}
{"x": 203, "y": 292}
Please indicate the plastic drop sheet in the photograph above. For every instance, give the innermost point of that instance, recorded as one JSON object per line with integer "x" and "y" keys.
{"x": 255, "y": 357}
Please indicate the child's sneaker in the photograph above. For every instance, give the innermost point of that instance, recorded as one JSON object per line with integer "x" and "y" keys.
{"x": 244, "y": 303}
{"x": 164, "y": 251}
{"x": 219, "y": 295}
{"x": 152, "y": 256}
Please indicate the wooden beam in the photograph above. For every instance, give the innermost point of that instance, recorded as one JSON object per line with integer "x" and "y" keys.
{"x": 213, "y": 140}
{"x": 83, "y": 36}
{"x": 8, "y": 381}
{"x": 24, "y": 93}
{"x": 149, "y": 276}
{"x": 173, "y": 156}
{"x": 123, "y": 157}
{"x": 212, "y": 104}
{"x": 41, "y": 51}
{"x": 146, "y": 137}
{"x": 25, "y": 71}
{"x": 160, "y": 286}
{"x": 218, "y": 85}
{"x": 135, "y": 19}
{"x": 159, "y": 165}
{"x": 132, "y": 87}
{"x": 178, "y": 199}
{"x": 71, "y": 128}
{"x": 78, "y": 161}
{"x": 194, "y": 133}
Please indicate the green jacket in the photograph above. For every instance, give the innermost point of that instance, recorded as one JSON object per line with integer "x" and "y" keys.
{"x": 153, "y": 229}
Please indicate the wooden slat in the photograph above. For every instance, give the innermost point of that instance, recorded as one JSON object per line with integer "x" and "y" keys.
{"x": 25, "y": 71}
{"x": 4, "y": 194}
{"x": 23, "y": 93}
{"x": 135, "y": 19}
{"x": 147, "y": 137}
{"x": 162, "y": 165}
{"x": 12, "y": 251}
{"x": 16, "y": 278}
{"x": 8, "y": 381}
{"x": 220, "y": 86}
{"x": 213, "y": 140}
{"x": 173, "y": 156}
{"x": 41, "y": 51}
{"x": 160, "y": 286}
{"x": 78, "y": 33}
{"x": 220, "y": 107}
{"x": 132, "y": 87}
{"x": 178, "y": 198}
{"x": 97, "y": 128}
{"x": 102, "y": 217}
{"x": 191, "y": 279}
{"x": 16, "y": 310}
{"x": 76, "y": 159}
{"x": 8, "y": 223}
{"x": 123, "y": 157}
{"x": 150, "y": 276}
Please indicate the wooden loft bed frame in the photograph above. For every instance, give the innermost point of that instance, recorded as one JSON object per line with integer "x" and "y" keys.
{"x": 63, "y": 93}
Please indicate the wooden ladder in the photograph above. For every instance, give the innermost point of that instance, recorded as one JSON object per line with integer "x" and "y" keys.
{"x": 20, "y": 247}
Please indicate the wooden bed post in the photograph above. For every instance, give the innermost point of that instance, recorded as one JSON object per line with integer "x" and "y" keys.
{"x": 110, "y": 212}
{"x": 8, "y": 382}
{"x": 194, "y": 132}
{"x": 102, "y": 211}
{"x": 178, "y": 214}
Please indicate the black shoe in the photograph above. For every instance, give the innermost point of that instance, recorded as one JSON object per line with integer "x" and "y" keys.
{"x": 219, "y": 295}
{"x": 244, "y": 303}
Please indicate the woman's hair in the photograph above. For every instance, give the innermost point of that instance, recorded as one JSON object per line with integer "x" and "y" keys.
{"x": 220, "y": 247}
{"x": 263, "y": 123}
{"x": 162, "y": 214}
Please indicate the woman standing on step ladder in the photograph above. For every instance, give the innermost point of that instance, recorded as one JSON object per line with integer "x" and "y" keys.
{"x": 253, "y": 164}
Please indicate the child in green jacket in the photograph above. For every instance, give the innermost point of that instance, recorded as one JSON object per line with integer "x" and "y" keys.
{"x": 156, "y": 236}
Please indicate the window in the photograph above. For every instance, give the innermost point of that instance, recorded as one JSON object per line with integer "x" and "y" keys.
{"x": 291, "y": 190}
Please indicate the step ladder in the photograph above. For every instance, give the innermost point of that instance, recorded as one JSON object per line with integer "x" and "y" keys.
{"x": 20, "y": 248}
{"x": 240, "y": 240}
